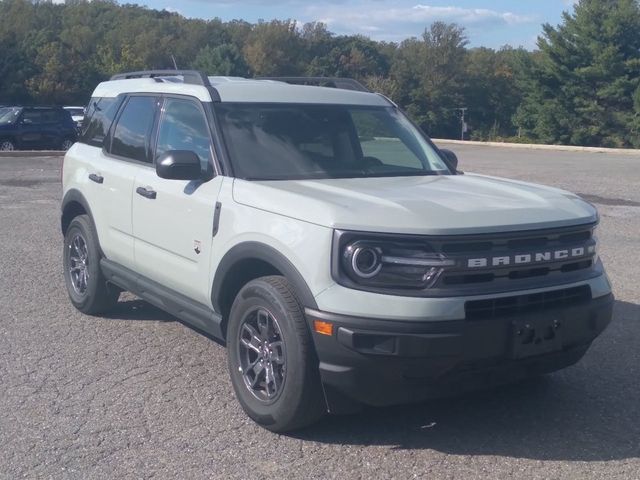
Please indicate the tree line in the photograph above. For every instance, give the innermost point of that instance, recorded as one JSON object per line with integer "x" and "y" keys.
{"x": 580, "y": 86}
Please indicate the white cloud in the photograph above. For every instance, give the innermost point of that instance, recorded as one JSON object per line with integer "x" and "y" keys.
{"x": 394, "y": 23}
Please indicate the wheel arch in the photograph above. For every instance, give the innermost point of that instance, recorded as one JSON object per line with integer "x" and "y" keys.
{"x": 11, "y": 137}
{"x": 250, "y": 260}
{"x": 74, "y": 204}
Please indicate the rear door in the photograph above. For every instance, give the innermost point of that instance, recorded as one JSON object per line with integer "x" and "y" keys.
{"x": 30, "y": 128}
{"x": 51, "y": 128}
{"x": 173, "y": 230}
{"x": 114, "y": 146}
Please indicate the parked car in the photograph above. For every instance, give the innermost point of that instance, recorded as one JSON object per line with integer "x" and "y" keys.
{"x": 77, "y": 114}
{"x": 337, "y": 252}
{"x": 35, "y": 128}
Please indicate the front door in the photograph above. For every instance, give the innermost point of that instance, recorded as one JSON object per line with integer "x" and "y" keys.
{"x": 173, "y": 219}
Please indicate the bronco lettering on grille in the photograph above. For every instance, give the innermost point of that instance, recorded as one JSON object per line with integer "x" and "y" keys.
{"x": 530, "y": 258}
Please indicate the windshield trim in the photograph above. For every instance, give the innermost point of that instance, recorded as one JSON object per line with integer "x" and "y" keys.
{"x": 227, "y": 153}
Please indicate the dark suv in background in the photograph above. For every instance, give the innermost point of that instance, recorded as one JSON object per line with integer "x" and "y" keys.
{"x": 33, "y": 128}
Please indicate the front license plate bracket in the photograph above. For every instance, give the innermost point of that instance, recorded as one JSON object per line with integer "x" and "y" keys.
{"x": 535, "y": 337}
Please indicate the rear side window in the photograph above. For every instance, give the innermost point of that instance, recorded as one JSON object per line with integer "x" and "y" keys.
{"x": 100, "y": 114}
{"x": 51, "y": 116}
{"x": 130, "y": 137}
{"x": 32, "y": 117}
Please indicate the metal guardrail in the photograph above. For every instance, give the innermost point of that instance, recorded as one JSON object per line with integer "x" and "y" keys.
{"x": 32, "y": 153}
{"x": 540, "y": 146}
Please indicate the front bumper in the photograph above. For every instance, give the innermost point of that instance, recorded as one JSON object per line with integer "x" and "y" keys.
{"x": 385, "y": 362}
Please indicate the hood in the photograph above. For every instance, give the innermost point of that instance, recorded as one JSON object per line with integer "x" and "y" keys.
{"x": 436, "y": 205}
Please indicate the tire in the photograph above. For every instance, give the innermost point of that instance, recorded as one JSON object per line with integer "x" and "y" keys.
{"x": 66, "y": 144}
{"x": 86, "y": 285}
{"x": 298, "y": 400}
{"x": 7, "y": 145}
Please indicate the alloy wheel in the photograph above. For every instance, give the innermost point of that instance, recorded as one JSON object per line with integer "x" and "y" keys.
{"x": 79, "y": 264}
{"x": 262, "y": 355}
{"x": 6, "y": 146}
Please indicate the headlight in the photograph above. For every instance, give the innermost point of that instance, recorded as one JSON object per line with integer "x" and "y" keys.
{"x": 389, "y": 264}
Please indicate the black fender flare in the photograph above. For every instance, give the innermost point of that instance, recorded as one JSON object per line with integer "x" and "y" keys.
{"x": 11, "y": 137}
{"x": 74, "y": 195}
{"x": 267, "y": 254}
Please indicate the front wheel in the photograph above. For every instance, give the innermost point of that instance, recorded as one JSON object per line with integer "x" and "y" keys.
{"x": 272, "y": 363}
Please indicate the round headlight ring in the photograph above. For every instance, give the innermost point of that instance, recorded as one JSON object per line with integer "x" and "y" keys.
{"x": 366, "y": 262}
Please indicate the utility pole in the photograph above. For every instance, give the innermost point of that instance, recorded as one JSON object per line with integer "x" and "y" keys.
{"x": 463, "y": 125}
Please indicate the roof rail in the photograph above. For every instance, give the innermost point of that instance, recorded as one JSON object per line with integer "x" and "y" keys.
{"x": 192, "y": 77}
{"x": 334, "y": 82}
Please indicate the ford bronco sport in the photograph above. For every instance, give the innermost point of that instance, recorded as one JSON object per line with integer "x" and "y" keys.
{"x": 334, "y": 249}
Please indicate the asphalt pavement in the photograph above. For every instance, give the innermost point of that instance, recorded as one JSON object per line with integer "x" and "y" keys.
{"x": 138, "y": 395}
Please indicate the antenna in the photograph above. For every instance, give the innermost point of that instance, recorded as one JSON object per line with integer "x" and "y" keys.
{"x": 175, "y": 65}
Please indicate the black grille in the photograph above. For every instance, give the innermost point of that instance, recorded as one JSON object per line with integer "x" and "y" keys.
{"x": 509, "y": 245}
{"x": 523, "y": 304}
{"x": 514, "y": 273}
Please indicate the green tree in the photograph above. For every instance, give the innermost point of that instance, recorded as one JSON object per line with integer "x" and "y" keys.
{"x": 273, "y": 48}
{"x": 491, "y": 92}
{"x": 224, "y": 59}
{"x": 429, "y": 74}
{"x": 579, "y": 89}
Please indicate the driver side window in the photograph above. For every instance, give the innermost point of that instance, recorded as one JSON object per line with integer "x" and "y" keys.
{"x": 183, "y": 126}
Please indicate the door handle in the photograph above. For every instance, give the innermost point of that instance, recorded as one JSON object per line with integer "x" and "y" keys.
{"x": 146, "y": 192}
{"x": 96, "y": 178}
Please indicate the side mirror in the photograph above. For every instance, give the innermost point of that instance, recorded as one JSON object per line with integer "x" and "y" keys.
{"x": 450, "y": 157}
{"x": 179, "y": 165}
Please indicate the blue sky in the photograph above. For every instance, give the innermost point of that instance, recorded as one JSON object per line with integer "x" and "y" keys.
{"x": 490, "y": 23}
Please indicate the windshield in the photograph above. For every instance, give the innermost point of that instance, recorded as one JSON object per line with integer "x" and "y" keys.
{"x": 290, "y": 141}
{"x": 9, "y": 115}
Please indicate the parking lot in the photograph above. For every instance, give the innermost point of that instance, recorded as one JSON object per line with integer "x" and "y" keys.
{"x": 138, "y": 395}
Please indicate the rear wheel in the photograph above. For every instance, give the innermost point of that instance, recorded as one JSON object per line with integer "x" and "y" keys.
{"x": 272, "y": 362}
{"x": 7, "y": 145}
{"x": 86, "y": 285}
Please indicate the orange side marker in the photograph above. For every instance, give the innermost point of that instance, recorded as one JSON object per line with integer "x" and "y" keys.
{"x": 323, "y": 328}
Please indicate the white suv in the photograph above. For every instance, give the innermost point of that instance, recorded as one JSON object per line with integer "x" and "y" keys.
{"x": 316, "y": 231}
